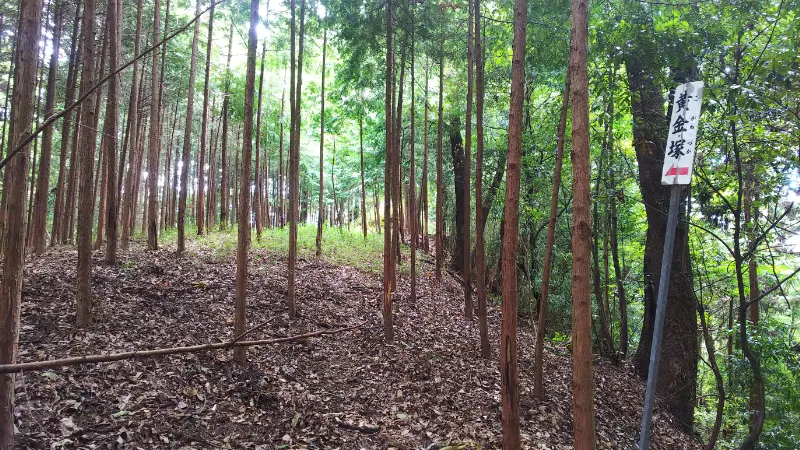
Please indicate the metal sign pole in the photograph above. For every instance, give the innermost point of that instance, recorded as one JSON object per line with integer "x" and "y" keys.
{"x": 661, "y": 310}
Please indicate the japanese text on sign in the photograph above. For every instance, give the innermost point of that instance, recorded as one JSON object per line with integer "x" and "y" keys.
{"x": 682, "y": 134}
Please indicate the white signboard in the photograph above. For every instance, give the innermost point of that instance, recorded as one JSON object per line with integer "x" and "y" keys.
{"x": 682, "y": 134}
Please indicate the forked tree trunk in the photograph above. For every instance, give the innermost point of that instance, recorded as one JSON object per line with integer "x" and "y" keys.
{"x": 509, "y": 373}
{"x": 25, "y": 54}
{"x": 582, "y": 380}
{"x": 39, "y": 221}
{"x": 88, "y": 138}
{"x": 187, "y": 139}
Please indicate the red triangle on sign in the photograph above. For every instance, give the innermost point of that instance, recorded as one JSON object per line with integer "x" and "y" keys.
{"x": 677, "y": 171}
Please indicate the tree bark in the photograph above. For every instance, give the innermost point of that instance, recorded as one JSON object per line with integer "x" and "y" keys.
{"x": 204, "y": 137}
{"x": 114, "y": 31}
{"x": 363, "y": 191}
{"x": 294, "y": 175}
{"x": 66, "y": 128}
{"x": 320, "y": 218}
{"x": 582, "y": 380}
{"x": 282, "y": 208}
{"x": 155, "y": 137}
{"x": 467, "y": 236}
{"x": 258, "y": 180}
{"x": 187, "y": 139}
{"x": 39, "y": 226}
{"x": 226, "y": 101}
{"x": 480, "y": 256}
{"x": 388, "y": 329}
{"x": 88, "y": 138}
{"x": 412, "y": 174}
{"x": 599, "y": 287}
{"x": 25, "y": 55}
{"x": 240, "y": 323}
{"x": 134, "y": 158}
{"x": 439, "y": 180}
{"x": 509, "y": 372}
{"x": 678, "y": 367}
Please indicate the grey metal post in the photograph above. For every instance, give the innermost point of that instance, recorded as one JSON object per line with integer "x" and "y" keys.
{"x": 661, "y": 309}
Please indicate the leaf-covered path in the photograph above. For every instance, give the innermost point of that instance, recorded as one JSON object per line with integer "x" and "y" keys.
{"x": 345, "y": 391}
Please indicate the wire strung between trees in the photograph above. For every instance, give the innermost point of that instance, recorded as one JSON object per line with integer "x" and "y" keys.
{"x": 140, "y": 354}
{"x": 30, "y": 137}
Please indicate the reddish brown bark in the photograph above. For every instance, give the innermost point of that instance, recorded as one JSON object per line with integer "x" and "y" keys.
{"x": 582, "y": 381}
{"x": 509, "y": 372}
{"x": 25, "y": 55}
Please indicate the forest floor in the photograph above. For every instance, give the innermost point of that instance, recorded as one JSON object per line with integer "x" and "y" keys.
{"x": 430, "y": 389}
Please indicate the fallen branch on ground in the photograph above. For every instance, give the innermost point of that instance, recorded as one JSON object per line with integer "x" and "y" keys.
{"x": 138, "y": 354}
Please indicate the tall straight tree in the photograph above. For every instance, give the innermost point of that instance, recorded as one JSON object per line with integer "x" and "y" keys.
{"x": 114, "y": 30}
{"x": 87, "y": 143}
{"x": 204, "y": 137}
{"x": 258, "y": 180}
{"x": 240, "y": 355}
{"x": 66, "y": 129}
{"x": 38, "y": 227}
{"x": 363, "y": 192}
{"x": 294, "y": 153}
{"x": 28, "y": 34}
{"x": 155, "y": 137}
{"x": 387, "y": 186}
{"x": 321, "y": 218}
{"x": 412, "y": 223}
{"x": 509, "y": 373}
{"x": 467, "y": 265}
{"x": 480, "y": 257}
{"x": 439, "y": 179}
{"x": 134, "y": 157}
{"x": 226, "y": 105}
{"x": 582, "y": 389}
{"x": 544, "y": 293}
{"x": 424, "y": 187}
{"x": 183, "y": 187}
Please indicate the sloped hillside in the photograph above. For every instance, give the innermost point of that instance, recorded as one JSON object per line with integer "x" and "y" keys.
{"x": 347, "y": 391}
